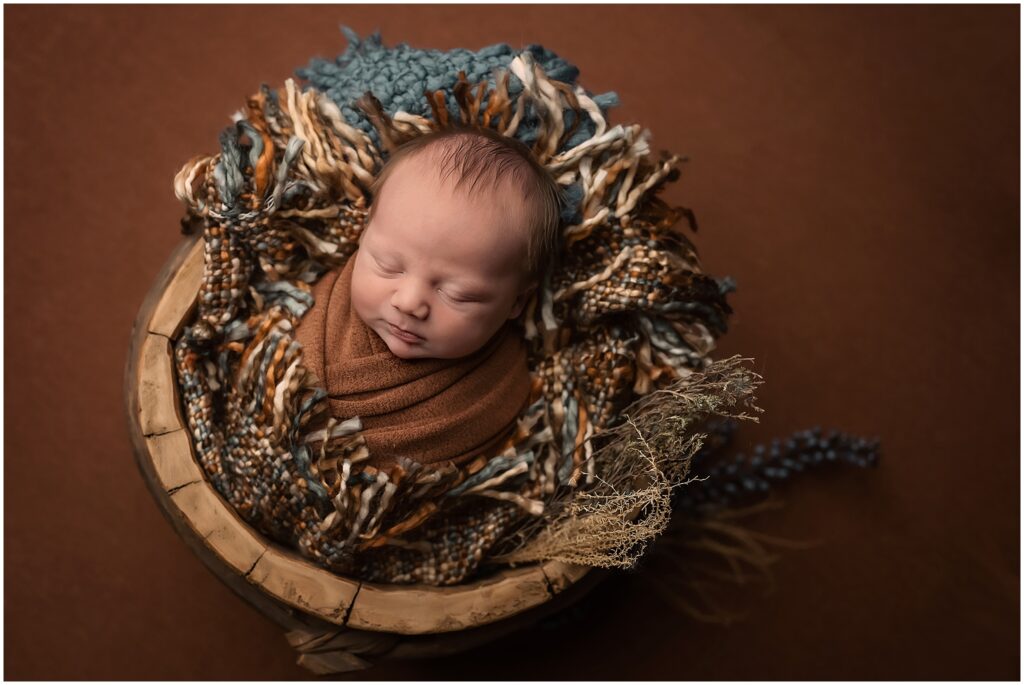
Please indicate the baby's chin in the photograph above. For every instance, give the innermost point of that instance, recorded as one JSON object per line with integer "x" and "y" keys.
{"x": 404, "y": 350}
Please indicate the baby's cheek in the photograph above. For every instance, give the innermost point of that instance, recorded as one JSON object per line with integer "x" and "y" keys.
{"x": 479, "y": 330}
{"x": 362, "y": 294}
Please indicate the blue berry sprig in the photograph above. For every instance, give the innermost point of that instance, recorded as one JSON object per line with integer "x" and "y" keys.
{"x": 727, "y": 482}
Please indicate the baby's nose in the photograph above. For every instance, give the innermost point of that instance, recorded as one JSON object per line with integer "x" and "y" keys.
{"x": 409, "y": 300}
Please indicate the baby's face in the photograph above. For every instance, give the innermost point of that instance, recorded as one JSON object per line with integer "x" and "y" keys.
{"x": 437, "y": 273}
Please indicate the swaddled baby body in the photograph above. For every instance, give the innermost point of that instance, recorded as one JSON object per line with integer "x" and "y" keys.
{"x": 415, "y": 334}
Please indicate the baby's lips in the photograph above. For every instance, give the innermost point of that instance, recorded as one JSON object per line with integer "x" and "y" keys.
{"x": 402, "y": 332}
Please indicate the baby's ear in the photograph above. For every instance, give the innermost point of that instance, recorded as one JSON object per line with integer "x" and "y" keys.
{"x": 521, "y": 299}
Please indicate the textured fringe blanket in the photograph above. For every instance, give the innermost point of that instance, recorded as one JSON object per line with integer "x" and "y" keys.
{"x": 619, "y": 337}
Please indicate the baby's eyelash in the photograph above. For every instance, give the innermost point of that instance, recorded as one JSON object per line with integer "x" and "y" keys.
{"x": 453, "y": 298}
{"x": 387, "y": 269}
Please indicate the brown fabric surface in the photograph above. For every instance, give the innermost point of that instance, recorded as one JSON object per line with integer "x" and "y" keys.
{"x": 855, "y": 168}
{"x": 429, "y": 410}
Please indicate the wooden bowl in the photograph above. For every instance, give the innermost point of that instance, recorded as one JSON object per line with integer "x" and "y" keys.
{"x": 337, "y": 624}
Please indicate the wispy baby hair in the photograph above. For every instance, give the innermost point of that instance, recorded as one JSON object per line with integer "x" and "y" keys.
{"x": 484, "y": 159}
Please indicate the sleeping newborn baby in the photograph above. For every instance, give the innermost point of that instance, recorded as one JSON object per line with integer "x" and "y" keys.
{"x": 416, "y": 333}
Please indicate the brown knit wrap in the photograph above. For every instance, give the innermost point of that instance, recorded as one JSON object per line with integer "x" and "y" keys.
{"x": 428, "y": 410}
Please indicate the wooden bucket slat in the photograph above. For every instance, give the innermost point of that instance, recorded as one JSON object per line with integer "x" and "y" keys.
{"x": 219, "y": 526}
{"x": 338, "y": 661}
{"x": 179, "y": 297}
{"x": 296, "y": 581}
{"x": 412, "y": 610}
{"x": 166, "y": 450}
{"x": 561, "y": 576}
{"x": 158, "y": 394}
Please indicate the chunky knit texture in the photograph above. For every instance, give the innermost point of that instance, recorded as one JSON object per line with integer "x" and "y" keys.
{"x": 398, "y": 76}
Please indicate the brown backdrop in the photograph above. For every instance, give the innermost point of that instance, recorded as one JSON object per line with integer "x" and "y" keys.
{"x": 855, "y": 169}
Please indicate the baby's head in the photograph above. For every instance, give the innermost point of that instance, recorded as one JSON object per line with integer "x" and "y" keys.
{"x": 463, "y": 224}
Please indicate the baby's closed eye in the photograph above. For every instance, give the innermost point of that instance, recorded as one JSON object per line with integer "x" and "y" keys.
{"x": 387, "y": 269}
{"x": 457, "y": 297}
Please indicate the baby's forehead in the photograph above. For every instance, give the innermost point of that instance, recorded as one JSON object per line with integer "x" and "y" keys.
{"x": 445, "y": 183}
{"x": 456, "y": 176}
{"x": 422, "y": 194}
